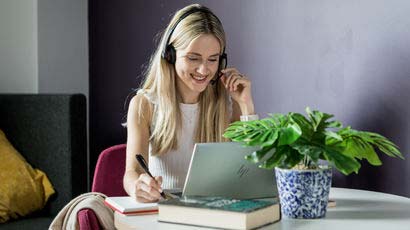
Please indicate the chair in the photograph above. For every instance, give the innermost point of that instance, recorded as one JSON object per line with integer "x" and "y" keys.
{"x": 49, "y": 130}
{"x": 108, "y": 177}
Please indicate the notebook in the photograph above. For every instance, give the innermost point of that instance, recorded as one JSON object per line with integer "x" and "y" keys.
{"x": 126, "y": 205}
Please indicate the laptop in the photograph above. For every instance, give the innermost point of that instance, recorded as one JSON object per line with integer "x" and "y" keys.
{"x": 220, "y": 169}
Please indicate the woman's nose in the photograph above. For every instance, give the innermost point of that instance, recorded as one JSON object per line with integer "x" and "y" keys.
{"x": 203, "y": 68}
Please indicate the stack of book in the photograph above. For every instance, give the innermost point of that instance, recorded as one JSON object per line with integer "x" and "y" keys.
{"x": 219, "y": 212}
{"x": 215, "y": 212}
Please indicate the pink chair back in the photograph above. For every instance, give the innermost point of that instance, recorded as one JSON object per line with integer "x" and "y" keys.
{"x": 109, "y": 171}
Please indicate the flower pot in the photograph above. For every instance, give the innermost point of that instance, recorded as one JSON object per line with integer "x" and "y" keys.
{"x": 303, "y": 193}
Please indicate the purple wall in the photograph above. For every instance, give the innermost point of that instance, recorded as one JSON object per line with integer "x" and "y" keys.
{"x": 349, "y": 58}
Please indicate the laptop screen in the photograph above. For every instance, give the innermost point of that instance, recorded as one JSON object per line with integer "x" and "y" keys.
{"x": 220, "y": 169}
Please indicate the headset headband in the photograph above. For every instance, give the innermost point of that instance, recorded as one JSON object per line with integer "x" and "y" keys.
{"x": 186, "y": 14}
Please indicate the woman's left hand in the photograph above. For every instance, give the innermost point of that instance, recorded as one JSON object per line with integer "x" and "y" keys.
{"x": 238, "y": 86}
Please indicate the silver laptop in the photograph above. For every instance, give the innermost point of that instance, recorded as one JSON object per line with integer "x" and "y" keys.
{"x": 220, "y": 169}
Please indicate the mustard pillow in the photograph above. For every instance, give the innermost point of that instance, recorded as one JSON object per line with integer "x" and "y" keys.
{"x": 23, "y": 189}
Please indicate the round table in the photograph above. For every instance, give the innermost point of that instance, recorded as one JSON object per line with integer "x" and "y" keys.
{"x": 355, "y": 209}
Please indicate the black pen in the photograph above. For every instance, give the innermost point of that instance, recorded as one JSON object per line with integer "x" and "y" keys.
{"x": 143, "y": 164}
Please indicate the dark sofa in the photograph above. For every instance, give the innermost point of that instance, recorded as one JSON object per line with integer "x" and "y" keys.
{"x": 50, "y": 132}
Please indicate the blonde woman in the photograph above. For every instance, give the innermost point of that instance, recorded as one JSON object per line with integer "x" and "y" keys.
{"x": 188, "y": 96}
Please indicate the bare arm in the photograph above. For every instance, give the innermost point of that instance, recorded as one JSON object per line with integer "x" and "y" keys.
{"x": 239, "y": 88}
{"x": 137, "y": 183}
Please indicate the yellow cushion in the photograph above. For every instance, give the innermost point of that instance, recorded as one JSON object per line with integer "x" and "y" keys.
{"x": 23, "y": 189}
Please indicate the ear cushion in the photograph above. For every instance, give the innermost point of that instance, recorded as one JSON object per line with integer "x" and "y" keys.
{"x": 223, "y": 62}
{"x": 170, "y": 54}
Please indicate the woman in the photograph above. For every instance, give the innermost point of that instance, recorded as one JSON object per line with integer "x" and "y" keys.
{"x": 178, "y": 105}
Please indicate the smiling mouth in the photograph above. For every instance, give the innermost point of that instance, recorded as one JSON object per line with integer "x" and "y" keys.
{"x": 198, "y": 78}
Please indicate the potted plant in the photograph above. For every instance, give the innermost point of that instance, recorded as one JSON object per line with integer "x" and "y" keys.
{"x": 303, "y": 151}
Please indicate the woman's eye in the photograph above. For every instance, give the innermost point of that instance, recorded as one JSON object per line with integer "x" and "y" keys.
{"x": 213, "y": 60}
{"x": 192, "y": 59}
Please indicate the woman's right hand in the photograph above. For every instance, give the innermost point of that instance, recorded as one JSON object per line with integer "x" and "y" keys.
{"x": 147, "y": 189}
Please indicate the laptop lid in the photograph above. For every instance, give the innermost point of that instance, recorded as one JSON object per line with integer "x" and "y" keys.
{"x": 220, "y": 169}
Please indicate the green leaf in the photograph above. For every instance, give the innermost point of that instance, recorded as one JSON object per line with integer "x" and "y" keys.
{"x": 279, "y": 117}
{"x": 238, "y": 137}
{"x": 318, "y": 119}
{"x": 251, "y": 136}
{"x": 333, "y": 135}
{"x": 313, "y": 152}
{"x": 293, "y": 157}
{"x": 289, "y": 134}
{"x": 256, "y": 156}
{"x": 366, "y": 151}
{"x": 304, "y": 124}
{"x": 275, "y": 159}
{"x": 385, "y": 145}
{"x": 266, "y": 124}
{"x": 343, "y": 163}
{"x": 334, "y": 124}
{"x": 260, "y": 138}
{"x": 363, "y": 139}
{"x": 271, "y": 139}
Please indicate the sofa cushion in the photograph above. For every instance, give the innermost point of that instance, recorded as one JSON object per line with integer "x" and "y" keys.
{"x": 56, "y": 125}
{"x": 23, "y": 189}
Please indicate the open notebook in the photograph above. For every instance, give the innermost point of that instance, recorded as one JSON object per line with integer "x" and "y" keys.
{"x": 126, "y": 205}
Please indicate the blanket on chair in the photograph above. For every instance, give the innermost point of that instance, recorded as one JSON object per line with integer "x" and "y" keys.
{"x": 67, "y": 217}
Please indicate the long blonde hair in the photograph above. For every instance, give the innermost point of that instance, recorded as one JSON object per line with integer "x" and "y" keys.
{"x": 160, "y": 81}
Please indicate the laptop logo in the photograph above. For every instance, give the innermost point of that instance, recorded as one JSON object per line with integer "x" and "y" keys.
{"x": 243, "y": 170}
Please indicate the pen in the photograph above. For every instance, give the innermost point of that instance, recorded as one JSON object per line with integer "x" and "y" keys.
{"x": 143, "y": 164}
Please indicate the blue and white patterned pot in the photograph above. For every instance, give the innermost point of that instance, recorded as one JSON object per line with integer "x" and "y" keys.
{"x": 304, "y": 193}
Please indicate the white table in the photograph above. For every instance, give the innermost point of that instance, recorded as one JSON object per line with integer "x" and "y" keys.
{"x": 355, "y": 209}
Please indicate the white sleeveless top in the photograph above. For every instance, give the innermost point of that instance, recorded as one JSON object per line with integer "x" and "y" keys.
{"x": 173, "y": 165}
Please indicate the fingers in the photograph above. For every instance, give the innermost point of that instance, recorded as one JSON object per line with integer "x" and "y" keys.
{"x": 140, "y": 195}
{"x": 159, "y": 180}
{"x": 232, "y": 79}
{"x": 228, "y": 70}
{"x": 148, "y": 192}
{"x": 145, "y": 197}
{"x": 223, "y": 80}
{"x": 235, "y": 83}
{"x": 150, "y": 181}
{"x": 148, "y": 189}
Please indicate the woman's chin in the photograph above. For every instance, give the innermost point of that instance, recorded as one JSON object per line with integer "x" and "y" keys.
{"x": 198, "y": 89}
{"x": 199, "y": 86}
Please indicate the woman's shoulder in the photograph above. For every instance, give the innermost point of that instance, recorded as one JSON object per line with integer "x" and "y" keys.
{"x": 139, "y": 99}
{"x": 140, "y": 104}
{"x": 147, "y": 95}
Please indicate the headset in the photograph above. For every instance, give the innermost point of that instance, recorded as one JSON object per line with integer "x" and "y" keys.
{"x": 169, "y": 52}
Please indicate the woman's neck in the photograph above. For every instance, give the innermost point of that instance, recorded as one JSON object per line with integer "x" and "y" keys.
{"x": 185, "y": 96}
{"x": 188, "y": 99}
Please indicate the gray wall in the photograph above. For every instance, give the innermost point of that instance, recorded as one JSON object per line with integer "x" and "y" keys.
{"x": 44, "y": 46}
{"x": 349, "y": 58}
{"x": 18, "y": 46}
{"x": 63, "y": 46}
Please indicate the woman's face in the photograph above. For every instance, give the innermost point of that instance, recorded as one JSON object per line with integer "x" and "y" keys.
{"x": 197, "y": 64}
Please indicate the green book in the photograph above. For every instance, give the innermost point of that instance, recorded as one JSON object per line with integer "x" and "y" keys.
{"x": 219, "y": 212}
